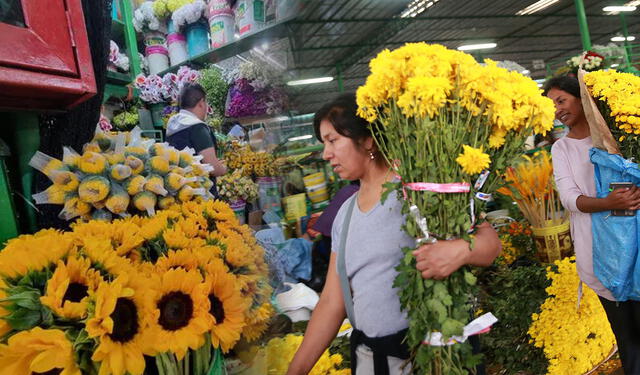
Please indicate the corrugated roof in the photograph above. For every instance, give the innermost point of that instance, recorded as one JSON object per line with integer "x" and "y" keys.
{"x": 344, "y": 35}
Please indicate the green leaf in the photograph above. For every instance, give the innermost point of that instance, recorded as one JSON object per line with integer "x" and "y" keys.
{"x": 388, "y": 188}
{"x": 22, "y": 320}
{"x": 452, "y": 327}
{"x": 470, "y": 278}
{"x": 28, "y": 299}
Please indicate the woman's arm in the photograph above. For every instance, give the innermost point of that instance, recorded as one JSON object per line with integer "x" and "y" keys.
{"x": 441, "y": 259}
{"x": 324, "y": 324}
{"x": 619, "y": 199}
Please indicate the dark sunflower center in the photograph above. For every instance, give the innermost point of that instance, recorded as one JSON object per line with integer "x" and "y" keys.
{"x": 55, "y": 371}
{"x": 216, "y": 309}
{"x": 176, "y": 309}
{"x": 75, "y": 292}
{"x": 125, "y": 320}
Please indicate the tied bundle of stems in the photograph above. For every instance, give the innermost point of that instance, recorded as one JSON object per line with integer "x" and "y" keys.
{"x": 440, "y": 117}
{"x": 531, "y": 186}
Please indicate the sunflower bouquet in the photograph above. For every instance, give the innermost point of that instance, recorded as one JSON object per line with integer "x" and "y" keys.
{"x": 181, "y": 287}
{"x": 121, "y": 174}
{"x": 450, "y": 128}
{"x": 574, "y": 340}
{"x": 618, "y": 99}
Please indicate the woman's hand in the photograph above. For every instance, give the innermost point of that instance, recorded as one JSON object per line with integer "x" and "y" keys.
{"x": 442, "y": 258}
{"x": 624, "y": 199}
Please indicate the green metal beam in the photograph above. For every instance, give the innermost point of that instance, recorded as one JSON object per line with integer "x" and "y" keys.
{"x": 130, "y": 37}
{"x": 582, "y": 23}
{"x": 438, "y": 41}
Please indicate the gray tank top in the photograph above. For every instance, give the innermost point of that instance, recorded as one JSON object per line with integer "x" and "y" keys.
{"x": 373, "y": 250}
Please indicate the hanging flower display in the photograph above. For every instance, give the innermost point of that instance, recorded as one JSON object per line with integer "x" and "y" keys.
{"x": 255, "y": 91}
{"x": 122, "y": 174}
{"x": 447, "y": 120}
{"x": 262, "y": 164}
{"x": 156, "y": 89}
{"x": 179, "y": 286}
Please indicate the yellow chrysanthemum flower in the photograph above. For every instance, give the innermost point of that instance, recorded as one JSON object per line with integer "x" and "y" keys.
{"x": 118, "y": 321}
{"x": 473, "y": 160}
{"x": 38, "y": 351}
{"x": 69, "y": 287}
{"x": 180, "y": 312}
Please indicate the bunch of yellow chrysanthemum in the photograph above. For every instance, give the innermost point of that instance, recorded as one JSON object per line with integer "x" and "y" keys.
{"x": 441, "y": 118}
{"x": 120, "y": 174}
{"x": 618, "y": 97}
{"x": 574, "y": 340}
{"x": 188, "y": 280}
{"x": 278, "y": 353}
{"x": 260, "y": 164}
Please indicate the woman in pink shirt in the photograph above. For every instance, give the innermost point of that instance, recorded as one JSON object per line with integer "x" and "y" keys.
{"x": 574, "y": 175}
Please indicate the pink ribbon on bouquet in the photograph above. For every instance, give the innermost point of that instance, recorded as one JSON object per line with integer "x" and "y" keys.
{"x": 453, "y": 187}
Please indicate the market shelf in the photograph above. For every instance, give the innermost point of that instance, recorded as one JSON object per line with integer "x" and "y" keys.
{"x": 274, "y": 31}
{"x": 117, "y": 30}
{"x": 118, "y": 78}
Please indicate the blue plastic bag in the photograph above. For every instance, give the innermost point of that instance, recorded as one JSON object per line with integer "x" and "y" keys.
{"x": 615, "y": 238}
{"x": 289, "y": 260}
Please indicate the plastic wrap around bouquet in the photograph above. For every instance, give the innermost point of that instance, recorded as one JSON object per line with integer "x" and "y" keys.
{"x": 122, "y": 174}
{"x": 614, "y": 121}
{"x": 451, "y": 127}
{"x": 167, "y": 295}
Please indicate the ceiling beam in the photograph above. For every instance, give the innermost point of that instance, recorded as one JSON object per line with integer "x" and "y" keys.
{"x": 358, "y": 45}
{"x": 441, "y": 18}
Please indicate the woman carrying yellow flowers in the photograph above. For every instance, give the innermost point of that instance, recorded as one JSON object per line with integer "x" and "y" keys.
{"x": 369, "y": 233}
{"x": 574, "y": 175}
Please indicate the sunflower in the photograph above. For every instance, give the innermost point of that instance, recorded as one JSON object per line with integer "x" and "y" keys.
{"x": 103, "y": 257}
{"x": 227, "y": 305}
{"x": 118, "y": 320}
{"x": 217, "y": 211}
{"x": 175, "y": 238}
{"x": 68, "y": 289}
{"x": 180, "y": 312}
{"x": 4, "y": 326}
{"x": 38, "y": 351}
{"x": 184, "y": 259}
{"x": 34, "y": 253}
{"x": 255, "y": 328}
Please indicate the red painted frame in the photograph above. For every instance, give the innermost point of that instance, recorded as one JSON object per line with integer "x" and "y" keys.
{"x": 46, "y": 65}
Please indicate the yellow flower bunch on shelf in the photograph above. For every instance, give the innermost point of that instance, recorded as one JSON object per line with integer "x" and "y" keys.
{"x": 531, "y": 186}
{"x": 574, "y": 340}
{"x": 262, "y": 164}
{"x": 618, "y": 97}
{"x": 234, "y": 186}
{"x": 187, "y": 280}
{"x": 120, "y": 174}
{"x": 449, "y": 126}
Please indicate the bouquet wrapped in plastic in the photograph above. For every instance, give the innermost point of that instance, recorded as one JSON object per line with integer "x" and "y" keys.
{"x": 122, "y": 174}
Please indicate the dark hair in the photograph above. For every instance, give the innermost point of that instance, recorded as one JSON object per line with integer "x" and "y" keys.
{"x": 190, "y": 95}
{"x": 565, "y": 83}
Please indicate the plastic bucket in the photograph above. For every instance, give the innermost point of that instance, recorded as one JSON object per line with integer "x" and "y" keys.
{"x": 295, "y": 206}
{"x": 197, "y": 38}
{"x": 269, "y": 193}
{"x": 156, "y": 114}
{"x": 177, "y": 48}
{"x": 318, "y": 193}
{"x": 154, "y": 38}
{"x": 221, "y": 24}
{"x": 245, "y": 22}
{"x": 314, "y": 179}
{"x": 239, "y": 208}
{"x": 553, "y": 242}
{"x": 158, "y": 59}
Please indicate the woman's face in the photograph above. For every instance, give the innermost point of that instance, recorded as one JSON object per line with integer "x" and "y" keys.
{"x": 347, "y": 159}
{"x": 568, "y": 108}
